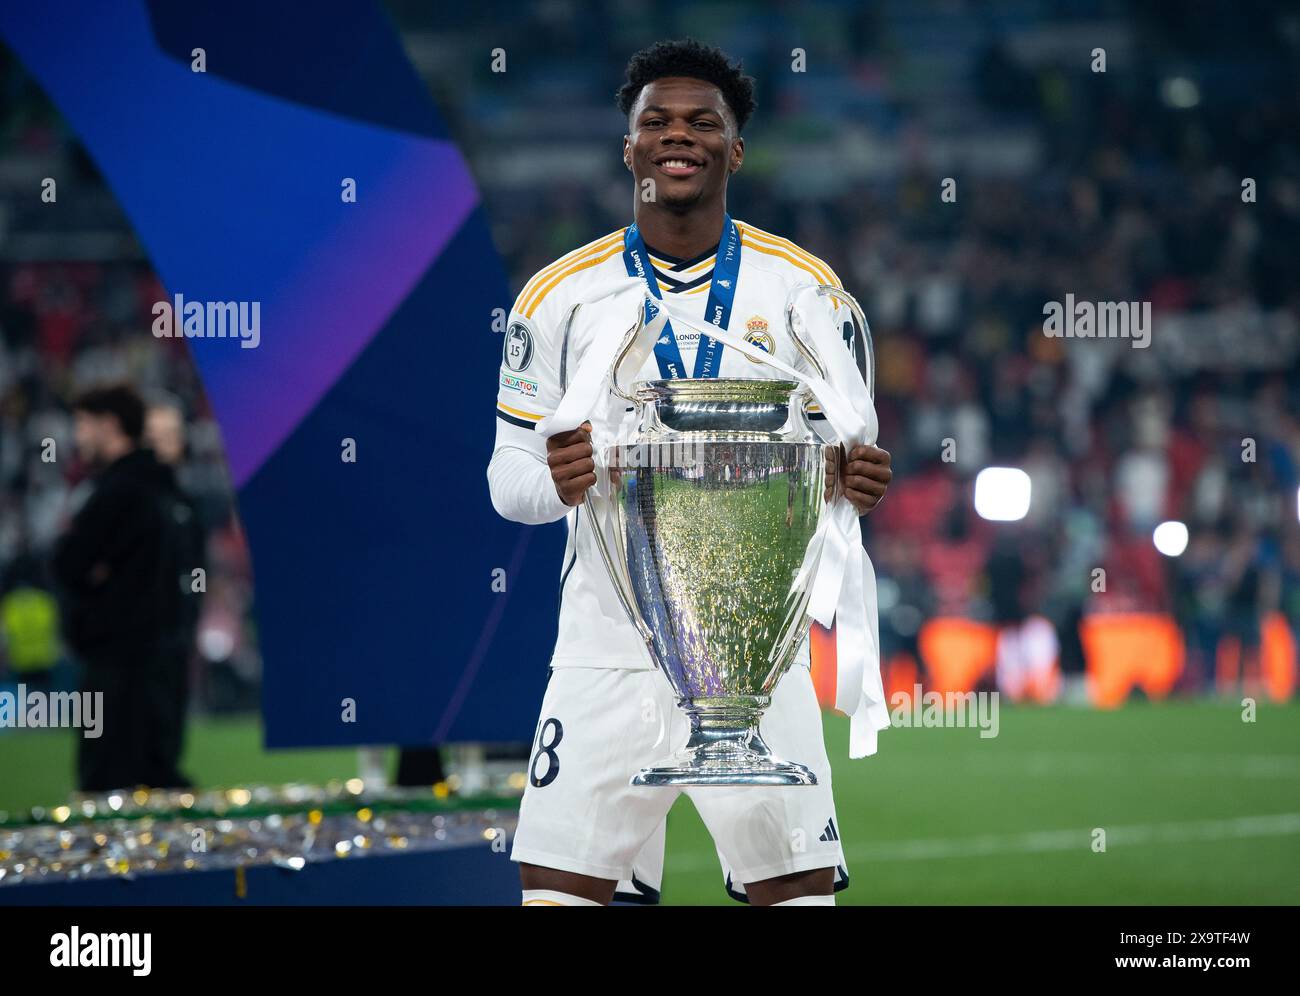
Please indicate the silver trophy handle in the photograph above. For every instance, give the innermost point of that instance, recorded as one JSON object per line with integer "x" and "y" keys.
{"x": 612, "y": 565}
{"x": 867, "y": 359}
{"x": 564, "y": 346}
{"x": 629, "y": 338}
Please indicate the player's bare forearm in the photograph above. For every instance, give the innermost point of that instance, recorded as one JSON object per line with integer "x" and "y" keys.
{"x": 864, "y": 474}
{"x": 572, "y": 464}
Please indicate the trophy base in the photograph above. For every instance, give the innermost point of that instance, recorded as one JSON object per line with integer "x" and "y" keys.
{"x": 724, "y": 757}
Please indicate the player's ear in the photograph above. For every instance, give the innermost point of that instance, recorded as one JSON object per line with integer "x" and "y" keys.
{"x": 737, "y": 155}
{"x": 627, "y": 151}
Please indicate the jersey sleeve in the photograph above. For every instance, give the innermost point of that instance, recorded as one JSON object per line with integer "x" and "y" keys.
{"x": 529, "y": 387}
{"x": 850, "y": 337}
{"x": 529, "y": 383}
{"x": 842, "y": 317}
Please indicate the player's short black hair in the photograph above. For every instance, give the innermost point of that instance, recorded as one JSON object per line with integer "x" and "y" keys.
{"x": 121, "y": 401}
{"x": 696, "y": 61}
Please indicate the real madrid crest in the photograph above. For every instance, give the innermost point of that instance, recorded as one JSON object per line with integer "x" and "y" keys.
{"x": 757, "y": 335}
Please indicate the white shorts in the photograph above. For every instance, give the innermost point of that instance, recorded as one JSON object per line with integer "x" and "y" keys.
{"x": 599, "y": 726}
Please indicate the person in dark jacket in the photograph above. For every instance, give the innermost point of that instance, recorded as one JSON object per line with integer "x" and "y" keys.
{"x": 164, "y": 433}
{"x": 119, "y": 567}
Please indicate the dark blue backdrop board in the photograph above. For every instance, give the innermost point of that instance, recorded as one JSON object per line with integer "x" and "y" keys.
{"x": 373, "y": 579}
{"x": 424, "y": 507}
{"x": 464, "y": 876}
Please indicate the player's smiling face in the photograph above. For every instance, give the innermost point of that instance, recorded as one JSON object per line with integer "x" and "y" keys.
{"x": 684, "y": 139}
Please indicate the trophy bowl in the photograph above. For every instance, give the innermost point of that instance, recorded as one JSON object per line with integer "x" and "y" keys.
{"x": 704, "y": 511}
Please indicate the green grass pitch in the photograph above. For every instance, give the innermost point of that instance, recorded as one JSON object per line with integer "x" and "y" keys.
{"x": 1198, "y": 806}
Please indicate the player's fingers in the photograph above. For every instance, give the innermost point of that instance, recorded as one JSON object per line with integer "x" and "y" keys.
{"x": 875, "y": 471}
{"x": 872, "y": 454}
{"x": 862, "y": 499}
{"x": 576, "y": 488}
{"x": 557, "y": 444}
{"x": 579, "y": 468}
{"x": 568, "y": 454}
{"x": 833, "y": 464}
{"x": 864, "y": 485}
{"x": 562, "y": 439}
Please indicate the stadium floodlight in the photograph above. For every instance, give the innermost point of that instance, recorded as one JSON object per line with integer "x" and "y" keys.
{"x": 1180, "y": 92}
{"x": 1002, "y": 494}
{"x": 1170, "y": 538}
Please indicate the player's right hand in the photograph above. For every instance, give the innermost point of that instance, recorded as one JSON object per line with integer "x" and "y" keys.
{"x": 573, "y": 468}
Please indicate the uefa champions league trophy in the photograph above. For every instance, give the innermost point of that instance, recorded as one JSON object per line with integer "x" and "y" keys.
{"x": 704, "y": 510}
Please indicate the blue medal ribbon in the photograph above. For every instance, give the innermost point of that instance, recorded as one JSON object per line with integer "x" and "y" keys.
{"x": 722, "y": 294}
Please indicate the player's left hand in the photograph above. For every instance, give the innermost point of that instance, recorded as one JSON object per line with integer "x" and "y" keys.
{"x": 864, "y": 474}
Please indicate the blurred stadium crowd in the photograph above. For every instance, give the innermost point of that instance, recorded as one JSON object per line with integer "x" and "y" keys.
{"x": 75, "y": 297}
{"x": 1122, "y": 185}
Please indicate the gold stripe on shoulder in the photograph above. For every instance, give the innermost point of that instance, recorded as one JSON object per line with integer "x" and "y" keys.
{"x": 577, "y": 266}
{"x": 599, "y": 245}
{"x": 569, "y": 257}
{"x": 782, "y": 254}
{"x": 765, "y": 241}
{"x": 776, "y": 240}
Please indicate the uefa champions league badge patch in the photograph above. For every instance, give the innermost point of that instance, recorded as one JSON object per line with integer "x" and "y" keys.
{"x": 757, "y": 335}
{"x": 517, "y": 351}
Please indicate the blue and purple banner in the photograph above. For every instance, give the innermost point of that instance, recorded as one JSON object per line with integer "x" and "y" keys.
{"x": 373, "y": 578}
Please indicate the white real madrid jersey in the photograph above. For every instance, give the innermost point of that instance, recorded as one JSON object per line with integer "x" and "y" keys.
{"x": 537, "y": 362}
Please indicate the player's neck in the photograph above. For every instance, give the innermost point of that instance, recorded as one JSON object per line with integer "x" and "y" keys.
{"x": 685, "y": 235}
